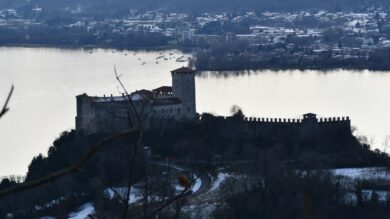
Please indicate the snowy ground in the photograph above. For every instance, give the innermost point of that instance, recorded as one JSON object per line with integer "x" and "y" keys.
{"x": 367, "y": 195}
{"x": 197, "y": 185}
{"x": 369, "y": 173}
{"x": 204, "y": 204}
{"x": 375, "y": 174}
{"x": 217, "y": 182}
{"x": 83, "y": 212}
{"x": 135, "y": 194}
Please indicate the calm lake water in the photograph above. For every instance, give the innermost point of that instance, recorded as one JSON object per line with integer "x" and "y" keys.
{"x": 47, "y": 81}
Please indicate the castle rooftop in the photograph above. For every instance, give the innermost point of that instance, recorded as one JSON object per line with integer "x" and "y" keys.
{"x": 163, "y": 90}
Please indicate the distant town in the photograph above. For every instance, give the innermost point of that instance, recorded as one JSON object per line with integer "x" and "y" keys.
{"x": 221, "y": 41}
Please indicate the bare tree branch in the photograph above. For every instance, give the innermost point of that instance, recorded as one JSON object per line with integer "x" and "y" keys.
{"x": 159, "y": 209}
{"x": 140, "y": 120}
{"x": 5, "y": 107}
{"x": 126, "y": 92}
{"x": 182, "y": 194}
{"x": 61, "y": 173}
{"x": 131, "y": 170}
{"x": 103, "y": 181}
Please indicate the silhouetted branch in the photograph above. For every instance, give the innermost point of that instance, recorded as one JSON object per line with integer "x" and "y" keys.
{"x": 106, "y": 184}
{"x": 167, "y": 203}
{"x": 61, "y": 173}
{"x": 182, "y": 194}
{"x": 5, "y": 107}
{"x": 131, "y": 170}
{"x": 126, "y": 92}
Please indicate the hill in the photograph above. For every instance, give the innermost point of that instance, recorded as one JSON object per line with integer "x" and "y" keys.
{"x": 111, "y": 6}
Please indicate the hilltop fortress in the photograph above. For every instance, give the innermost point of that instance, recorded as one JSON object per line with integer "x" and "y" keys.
{"x": 177, "y": 102}
{"x": 112, "y": 113}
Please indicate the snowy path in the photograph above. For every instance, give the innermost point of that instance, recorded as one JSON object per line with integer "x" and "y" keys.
{"x": 83, "y": 212}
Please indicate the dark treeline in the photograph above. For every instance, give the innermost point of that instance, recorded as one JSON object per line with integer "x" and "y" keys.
{"x": 80, "y": 37}
{"x": 70, "y": 192}
{"x": 114, "y": 6}
{"x": 235, "y": 139}
{"x": 285, "y": 194}
{"x": 214, "y": 140}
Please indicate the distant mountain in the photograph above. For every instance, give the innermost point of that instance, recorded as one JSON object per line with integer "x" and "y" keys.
{"x": 109, "y": 6}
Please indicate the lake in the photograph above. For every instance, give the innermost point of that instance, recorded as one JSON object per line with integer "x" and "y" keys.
{"x": 48, "y": 79}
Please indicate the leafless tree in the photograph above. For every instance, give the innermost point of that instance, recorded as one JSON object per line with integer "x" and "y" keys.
{"x": 136, "y": 119}
{"x": 5, "y": 108}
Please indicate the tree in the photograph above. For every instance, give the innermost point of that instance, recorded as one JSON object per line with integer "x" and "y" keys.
{"x": 236, "y": 112}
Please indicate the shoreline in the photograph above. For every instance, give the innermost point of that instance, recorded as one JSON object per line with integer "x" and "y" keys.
{"x": 322, "y": 70}
{"x": 186, "y": 51}
{"x": 86, "y": 47}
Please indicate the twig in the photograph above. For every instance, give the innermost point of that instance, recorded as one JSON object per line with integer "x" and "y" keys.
{"x": 106, "y": 184}
{"x": 131, "y": 170}
{"x": 61, "y": 173}
{"x": 184, "y": 193}
{"x": 126, "y": 92}
{"x": 5, "y": 107}
{"x": 136, "y": 142}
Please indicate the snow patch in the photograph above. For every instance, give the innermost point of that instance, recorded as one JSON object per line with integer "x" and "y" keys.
{"x": 197, "y": 185}
{"x": 83, "y": 212}
{"x": 135, "y": 196}
{"x": 194, "y": 188}
{"x": 368, "y": 173}
{"x": 367, "y": 195}
{"x": 220, "y": 178}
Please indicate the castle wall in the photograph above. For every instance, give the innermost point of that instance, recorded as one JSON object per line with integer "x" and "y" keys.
{"x": 106, "y": 115}
{"x": 167, "y": 111}
{"x": 307, "y": 128}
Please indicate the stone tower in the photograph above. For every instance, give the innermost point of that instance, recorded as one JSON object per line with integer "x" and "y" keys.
{"x": 183, "y": 87}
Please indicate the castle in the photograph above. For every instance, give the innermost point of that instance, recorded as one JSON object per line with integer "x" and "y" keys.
{"x": 116, "y": 113}
{"x": 112, "y": 113}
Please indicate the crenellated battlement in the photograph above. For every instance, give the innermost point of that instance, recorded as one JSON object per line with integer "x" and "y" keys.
{"x": 308, "y": 126}
{"x": 294, "y": 121}
{"x": 333, "y": 119}
{"x": 272, "y": 120}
